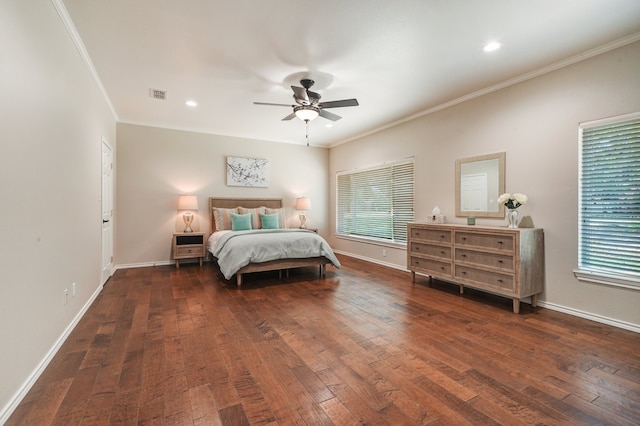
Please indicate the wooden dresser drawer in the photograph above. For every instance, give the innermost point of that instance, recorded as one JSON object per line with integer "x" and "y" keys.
{"x": 431, "y": 267}
{"x": 436, "y": 235}
{"x": 503, "y": 242}
{"x": 492, "y": 260}
{"x": 443, "y": 252}
{"x": 492, "y": 279}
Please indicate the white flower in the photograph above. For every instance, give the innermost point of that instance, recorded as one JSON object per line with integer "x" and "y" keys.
{"x": 521, "y": 198}
{"x": 503, "y": 198}
{"x": 512, "y": 202}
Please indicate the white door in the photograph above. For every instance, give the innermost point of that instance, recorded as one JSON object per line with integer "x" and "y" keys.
{"x": 107, "y": 211}
{"x": 473, "y": 192}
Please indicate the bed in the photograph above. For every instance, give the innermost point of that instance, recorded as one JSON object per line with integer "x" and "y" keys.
{"x": 223, "y": 241}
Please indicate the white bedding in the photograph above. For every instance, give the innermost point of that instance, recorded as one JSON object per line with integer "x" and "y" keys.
{"x": 236, "y": 249}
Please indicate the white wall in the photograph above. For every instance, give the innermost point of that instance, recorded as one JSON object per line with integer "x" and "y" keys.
{"x": 156, "y": 165}
{"x": 536, "y": 124}
{"x": 52, "y": 118}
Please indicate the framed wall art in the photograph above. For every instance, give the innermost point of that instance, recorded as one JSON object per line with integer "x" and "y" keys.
{"x": 252, "y": 172}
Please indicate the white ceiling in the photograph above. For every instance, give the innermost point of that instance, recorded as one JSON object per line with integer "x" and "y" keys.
{"x": 398, "y": 58}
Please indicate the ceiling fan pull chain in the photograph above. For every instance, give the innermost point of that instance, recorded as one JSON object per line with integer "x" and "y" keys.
{"x": 307, "y": 122}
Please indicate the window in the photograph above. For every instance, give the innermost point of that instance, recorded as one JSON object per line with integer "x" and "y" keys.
{"x": 609, "y": 217}
{"x": 376, "y": 203}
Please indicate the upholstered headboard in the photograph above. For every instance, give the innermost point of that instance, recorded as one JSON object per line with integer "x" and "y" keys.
{"x": 250, "y": 203}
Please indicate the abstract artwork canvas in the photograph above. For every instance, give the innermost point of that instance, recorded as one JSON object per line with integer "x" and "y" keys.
{"x": 247, "y": 172}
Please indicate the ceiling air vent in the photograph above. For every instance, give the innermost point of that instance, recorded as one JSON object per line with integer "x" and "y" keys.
{"x": 158, "y": 94}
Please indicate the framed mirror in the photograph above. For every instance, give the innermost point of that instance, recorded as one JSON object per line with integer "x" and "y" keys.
{"x": 479, "y": 183}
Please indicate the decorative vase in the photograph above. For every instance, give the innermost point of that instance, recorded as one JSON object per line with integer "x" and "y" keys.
{"x": 512, "y": 217}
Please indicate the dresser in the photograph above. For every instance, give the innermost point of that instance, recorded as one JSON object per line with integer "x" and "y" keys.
{"x": 504, "y": 261}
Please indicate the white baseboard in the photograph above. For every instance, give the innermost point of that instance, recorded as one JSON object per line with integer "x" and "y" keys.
{"x": 160, "y": 263}
{"x": 555, "y": 307}
{"x": 13, "y": 403}
{"x": 590, "y": 316}
{"x": 144, "y": 264}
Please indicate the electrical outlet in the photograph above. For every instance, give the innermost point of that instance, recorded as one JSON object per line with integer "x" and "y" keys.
{"x": 73, "y": 290}
{"x": 66, "y": 295}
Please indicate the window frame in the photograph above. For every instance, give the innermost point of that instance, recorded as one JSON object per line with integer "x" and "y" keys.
{"x": 374, "y": 169}
{"x": 585, "y": 271}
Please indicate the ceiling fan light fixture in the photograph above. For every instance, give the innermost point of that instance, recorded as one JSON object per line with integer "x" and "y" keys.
{"x": 306, "y": 112}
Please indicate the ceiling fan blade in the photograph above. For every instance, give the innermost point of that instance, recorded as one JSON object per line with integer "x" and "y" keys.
{"x": 289, "y": 117}
{"x": 337, "y": 104}
{"x": 269, "y": 103}
{"x": 329, "y": 115}
{"x": 300, "y": 93}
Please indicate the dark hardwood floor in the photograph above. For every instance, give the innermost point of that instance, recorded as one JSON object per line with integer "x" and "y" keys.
{"x": 362, "y": 346}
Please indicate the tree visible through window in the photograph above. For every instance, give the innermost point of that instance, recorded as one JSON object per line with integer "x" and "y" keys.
{"x": 376, "y": 202}
{"x": 609, "y": 222}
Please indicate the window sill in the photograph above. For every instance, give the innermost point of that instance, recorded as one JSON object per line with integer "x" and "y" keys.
{"x": 600, "y": 277}
{"x": 376, "y": 241}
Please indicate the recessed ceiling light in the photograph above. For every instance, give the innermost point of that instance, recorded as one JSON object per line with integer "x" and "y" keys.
{"x": 328, "y": 125}
{"x": 191, "y": 103}
{"x": 490, "y": 47}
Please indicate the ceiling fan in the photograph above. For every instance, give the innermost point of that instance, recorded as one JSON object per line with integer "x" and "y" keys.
{"x": 309, "y": 106}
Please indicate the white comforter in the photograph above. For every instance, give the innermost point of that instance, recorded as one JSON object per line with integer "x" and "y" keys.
{"x": 236, "y": 249}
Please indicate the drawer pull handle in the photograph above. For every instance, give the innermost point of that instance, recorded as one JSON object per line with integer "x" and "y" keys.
{"x": 500, "y": 281}
{"x": 441, "y": 236}
{"x": 442, "y": 252}
{"x": 442, "y": 268}
{"x": 464, "y": 255}
{"x": 464, "y": 272}
{"x": 500, "y": 242}
{"x": 464, "y": 238}
{"x": 500, "y": 261}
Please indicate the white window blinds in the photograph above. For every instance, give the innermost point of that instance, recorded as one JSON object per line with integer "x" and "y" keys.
{"x": 609, "y": 225}
{"x": 376, "y": 202}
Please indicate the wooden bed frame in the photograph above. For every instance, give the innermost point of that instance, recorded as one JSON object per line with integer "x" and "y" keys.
{"x": 274, "y": 265}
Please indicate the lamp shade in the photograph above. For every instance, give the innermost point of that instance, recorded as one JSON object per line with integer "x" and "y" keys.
{"x": 187, "y": 202}
{"x": 303, "y": 203}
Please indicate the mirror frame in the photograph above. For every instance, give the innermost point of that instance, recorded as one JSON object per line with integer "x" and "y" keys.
{"x": 501, "y": 157}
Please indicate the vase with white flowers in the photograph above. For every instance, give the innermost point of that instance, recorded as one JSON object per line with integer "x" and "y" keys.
{"x": 512, "y": 203}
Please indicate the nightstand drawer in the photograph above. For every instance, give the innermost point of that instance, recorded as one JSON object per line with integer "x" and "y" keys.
{"x": 189, "y": 251}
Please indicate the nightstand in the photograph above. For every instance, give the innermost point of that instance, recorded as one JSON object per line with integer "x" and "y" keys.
{"x": 187, "y": 246}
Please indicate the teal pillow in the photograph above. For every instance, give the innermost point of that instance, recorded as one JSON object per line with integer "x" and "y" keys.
{"x": 240, "y": 222}
{"x": 269, "y": 221}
